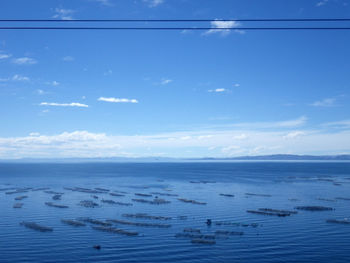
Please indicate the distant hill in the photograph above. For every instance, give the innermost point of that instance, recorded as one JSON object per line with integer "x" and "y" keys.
{"x": 274, "y": 157}
{"x": 287, "y": 157}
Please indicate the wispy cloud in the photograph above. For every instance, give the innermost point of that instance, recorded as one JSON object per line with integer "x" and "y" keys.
{"x": 153, "y": 3}
{"x": 343, "y": 124}
{"x": 217, "y": 90}
{"x": 104, "y": 2}
{"x": 52, "y": 83}
{"x": 108, "y": 72}
{"x": 117, "y": 100}
{"x": 294, "y": 134}
{"x": 328, "y": 102}
{"x": 166, "y": 81}
{"x": 217, "y": 25}
{"x": 321, "y": 3}
{"x": 64, "y": 14}
{"x": 20, "y": 78}
{"x": 24, "y": 61}
{"x": 68, "y": 58}
{"x": 195, "y": 143}
{"x": 73, "y": 104}
{"x": 15, "y": 77}
{"x": 40, "y": 91}
{"x": 4, "y": 56}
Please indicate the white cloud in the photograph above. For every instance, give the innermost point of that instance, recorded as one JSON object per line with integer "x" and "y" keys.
{"x": 73, "y": 104}
{"x": 294, "y": 134}
{"x": 153, "y": 3}
{"x": 321, "y": 3}
{"x": 64, "y": 14}
{"x": 236, "y": 85}
{"x": 217, "y": 90}
{"x": 4, "y": 56}
{"x": 20, "y": 78}
{"x": 191, "y": 143}
{"x": 40, "y": 91}
{"x": 328, "y": 102}
{"x": 216, "y": 25}
{"x": 338, "y": 124}
{"x": 108, "y": 72}
{"x": 240, "y": 137}
{"x": 117, "y": 100}
{"x": 53, "y": 83}
{"x": 24, "y": 61}
{"x": 166, "y": 81}
{"x": 104, "y": 2}
{"x": 68, "y": 58}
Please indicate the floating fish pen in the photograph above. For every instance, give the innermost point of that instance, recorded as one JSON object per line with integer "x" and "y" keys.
{"x": 203, "y": 241}
{"x": 18, "y": 198}
{"x": 227, "y": 195}
{"x": 56, "y": 197}
{"x": 53, "y": 192}
{"x": 314, "y": 208}
{"x": 88, "y": 203}
{"x": 94, "y": 221}
{"x": 85, "y": 190}
{"x": 56, "y": 205}
{"x": 40, "y": 189}
{"x": 229, "y": 223}
{"x": 18, "y": 205}
{"x": 115, "y": 194}
{"x": 339, "y": 221}
{"x": 325, "y": 179}
{"x": 115, "y": 230}
{"x": 36, "y": 227}
{"x": 327, "y": 200}
{"x": 102, "y": 189}
{"x": 144, "y": 195}
{"x": 123, "y": 222}
{"x": 192, "y": 230}
{"x": 258, "y": 212}
{"x": 146, "y": 216}
{"x": 155, "y": 201}
{"x": 112, "y": 202}
{"x": 277, "y": 211}
{"x": 7, "y": 189}
{"x": 16, "y": 192}
{"x": 262, "y": 195}
{"x": 343, "y": 198}
{"x": 293, "y": 199}
{"x": 228, "y": 233}
{"x": 163, "y": 194}
{"x": 194, "y": 236}
{"x": 191, "y": 201}
{"x": 72, "y": 222}
{"x": 120, "y": 192}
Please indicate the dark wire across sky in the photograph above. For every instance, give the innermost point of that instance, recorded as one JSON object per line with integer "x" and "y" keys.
{"x": 341, "y": 24}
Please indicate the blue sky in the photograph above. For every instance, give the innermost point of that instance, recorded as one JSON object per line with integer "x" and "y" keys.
{"x": 174, "y": 93}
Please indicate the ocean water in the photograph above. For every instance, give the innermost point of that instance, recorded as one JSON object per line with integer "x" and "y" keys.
{"x": 301, "y": 237}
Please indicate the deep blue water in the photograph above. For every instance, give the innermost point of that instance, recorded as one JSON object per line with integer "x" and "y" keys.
{"x": 303, "y": 237}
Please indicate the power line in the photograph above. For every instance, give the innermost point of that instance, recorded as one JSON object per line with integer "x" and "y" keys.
{"x": 182, "y": 20}
{"x": 174, "y": 28}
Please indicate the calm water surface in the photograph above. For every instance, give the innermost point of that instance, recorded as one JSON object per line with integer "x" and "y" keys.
{"x": 303, "y": 237}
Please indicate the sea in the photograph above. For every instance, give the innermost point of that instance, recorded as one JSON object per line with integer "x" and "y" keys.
{"x": 177, "y": 212}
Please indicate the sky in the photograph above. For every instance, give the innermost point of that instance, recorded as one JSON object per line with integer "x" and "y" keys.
{"x": 181, "y": 93}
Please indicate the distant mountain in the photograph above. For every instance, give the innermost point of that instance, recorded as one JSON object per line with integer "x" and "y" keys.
{"x": 274, "y": 157}
{"x": 287, "y": 157}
